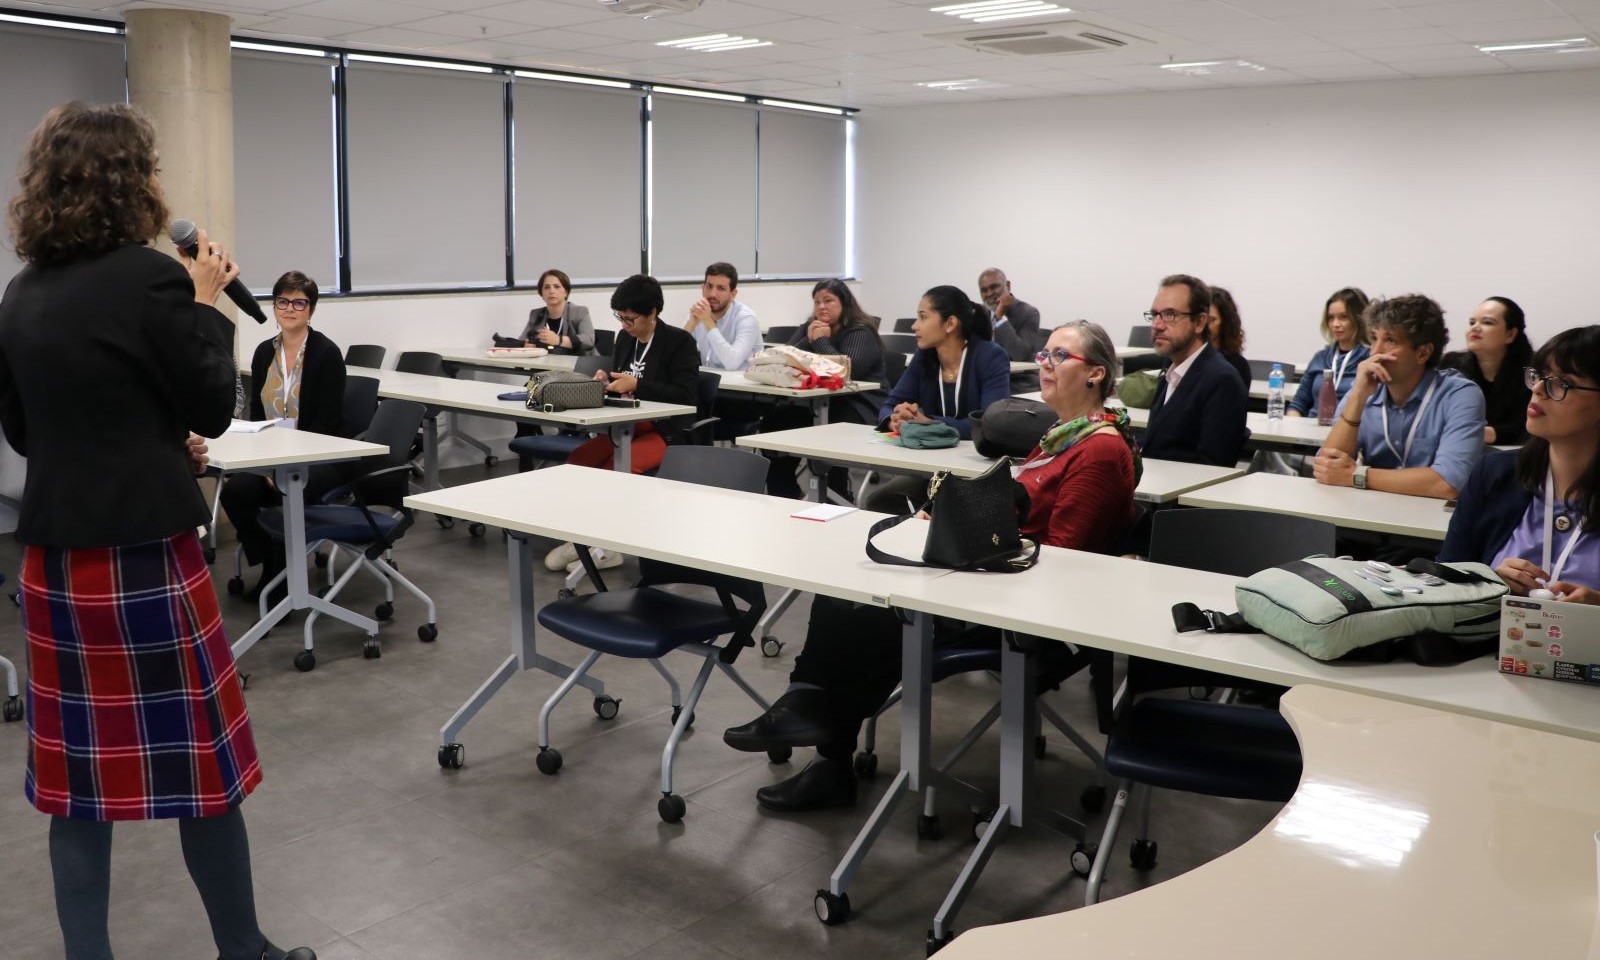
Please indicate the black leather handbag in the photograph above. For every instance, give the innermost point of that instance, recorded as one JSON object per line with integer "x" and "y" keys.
{"x": 974, "y": 524}
{"x": 1011, "y": 427}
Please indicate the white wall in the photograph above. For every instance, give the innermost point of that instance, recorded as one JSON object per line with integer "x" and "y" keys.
{"x": 1459, "y": 188}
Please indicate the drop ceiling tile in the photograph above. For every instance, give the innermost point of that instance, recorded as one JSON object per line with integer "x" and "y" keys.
{"x": 873, "y": 43}
{"x": 468, "y": 26}
{"x": 913, "y": 19}
{"x": 1329, "y": 58}
{"x": 1301, "y": 8}
{"x": 823, "y": 8}
{"x": 1400, "y": 56}
{"x": 507, "y": 50}
{"x": 1279, "y": 49}
{"x": 1371, "y": 71}
{"x": 1512, "y": 30}
{"x": 1449, "y": 68}
{"x": 377, "y": 13}
{"x": 1177, "y": 15}
{"x": 1338, "y": 22}
{"x": 586, "y": 61}
{"x": 802, "y": 30}
{"x": 731, "y": 16}
{"x": 546, "y": 14}
{"x": 567, "y": 40}
{"x": 1579, "y": 7}
{"x": 1253, "y": 28}
{"x": 1480, "y": 11}
{"x": 1421, "y": 37}
{"x": 296, "y": 27}
{"x": 394, "y": 37}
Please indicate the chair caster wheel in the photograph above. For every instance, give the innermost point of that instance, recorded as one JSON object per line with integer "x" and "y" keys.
{"x": 672, "y": 808}
{"x": 548, "y": 761}
{"x": 452, "y": 756}
{"x": 928, "y": 828}
{"x": 428, "y": 632}
{"x": 476, "y": 529}
{"x": 780, "y": 754}
{"x": 370, "y": 649}
{"x": 235, "y": 586}
{"x": 384, "y": 611}
{"x": 305, "y": 661}
{"x": 210, "y": 553}
{"x": 1142, "y": 855}
{"x": 771, "y": 646}
{"x": 491, "y": 461}
{"x": 1093, "y": 798}
{"x": 607, "y": 707}
{"x": 866, "y": 765}
{"x": 12, "y": 712}
{"x": 980, "y": 824}
{"x": 321, "y": 561}
{"x": 676, "y": 713}
{"x": 832, "y": 910}
{"x": 935, "y": 944}
{"x": 1040, "y": 747}
{"x": 445, "y": 523}
{"x": 566, "y": 593}
{"x": 1083, "y": 858}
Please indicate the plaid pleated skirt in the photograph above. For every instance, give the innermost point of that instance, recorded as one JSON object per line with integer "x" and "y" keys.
{"x": 135, "y": 711}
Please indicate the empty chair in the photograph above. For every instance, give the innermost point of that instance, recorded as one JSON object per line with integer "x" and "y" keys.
{"x": 1140, "y": 336}
{"x": 556, "y": 447}
{"x": 894, "y": 367}
{"x": 904, "y": 343}
{"x": 347, "y": 518}
{"x": 778, "y": 334}
{"x": 364, "y": 355}
{"x": 903, "y": 325}
{"x": 605, "y": 343}
{"x": 360, "y": 403}
{"x": 1216, "y": 749}
{"x": 645, "y": 622}
{"x": 420, "y": 361}
{"x": 1261, "y": 369}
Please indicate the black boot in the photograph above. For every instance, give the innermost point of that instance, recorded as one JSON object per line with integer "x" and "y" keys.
{"x": 797, "y": 719}
{"x": 270, "y": 952}
{"x": 822, "y": 784}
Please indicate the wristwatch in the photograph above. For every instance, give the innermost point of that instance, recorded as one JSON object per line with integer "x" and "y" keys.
{"x": 1359, "y": 478}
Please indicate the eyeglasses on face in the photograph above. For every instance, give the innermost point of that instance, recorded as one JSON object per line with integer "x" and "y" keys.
{"x": 626, "y": 319}
{"x": 1056, "y": 357}
{"x": 298, "y": 303}
{"x": 1554, "y": 387}
{"x": 1165, "y": 316}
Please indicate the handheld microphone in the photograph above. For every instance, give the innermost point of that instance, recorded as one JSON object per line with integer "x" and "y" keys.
{"x": 186, "y": 236}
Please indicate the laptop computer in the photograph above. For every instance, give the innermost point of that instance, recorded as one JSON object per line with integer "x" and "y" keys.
{"x": 1550, "y": 639}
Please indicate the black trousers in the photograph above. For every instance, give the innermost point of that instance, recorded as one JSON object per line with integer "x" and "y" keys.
{"x": 245, "y": 495}
{"x": 852, "y": 652}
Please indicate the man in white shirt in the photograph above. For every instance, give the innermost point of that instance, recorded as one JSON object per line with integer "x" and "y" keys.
{"x": 726, "y": 331}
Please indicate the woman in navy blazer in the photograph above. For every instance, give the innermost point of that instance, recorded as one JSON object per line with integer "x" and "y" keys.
{"x": 957, "y": 368}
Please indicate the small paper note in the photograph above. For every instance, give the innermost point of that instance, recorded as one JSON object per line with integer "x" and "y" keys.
{"x": 823, "y": 512}
{"x": 250, "y": 426}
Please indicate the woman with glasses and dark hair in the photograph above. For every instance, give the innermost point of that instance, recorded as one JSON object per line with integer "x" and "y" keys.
{"x": 559, "y": 326}
{"x": 1344, "y": 327}
{"x": 837, "y": 325}
{"x": 1497, "y": 351}
{"x": 135, "y": 710}
{"x": 1225, "y": 332}
{"x": 297, "y": 378}
{"x": 1080, "y": 481}
{"x": 1534, "y": 513}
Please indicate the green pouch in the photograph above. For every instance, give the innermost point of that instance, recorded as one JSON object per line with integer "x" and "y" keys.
{"x": 1138, "y": 389}
{"x": 928, "y": 436}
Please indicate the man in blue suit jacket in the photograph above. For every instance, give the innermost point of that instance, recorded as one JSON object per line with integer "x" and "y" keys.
{"x": 1199, "y": 411}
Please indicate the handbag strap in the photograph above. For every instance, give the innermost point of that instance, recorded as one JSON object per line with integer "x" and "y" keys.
{"x": 1004, "y": 561}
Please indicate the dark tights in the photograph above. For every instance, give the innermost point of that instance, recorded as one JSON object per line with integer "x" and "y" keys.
{"x": 215, "y": 849}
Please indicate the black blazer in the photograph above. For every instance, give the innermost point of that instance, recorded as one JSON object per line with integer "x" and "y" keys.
{"x": 1488, "y": 510}
{"x": 671, "y": 371}
{"x": 106, "y": 365}
{"x": 1204, "y": 422}
{"x": 321, "y": 384}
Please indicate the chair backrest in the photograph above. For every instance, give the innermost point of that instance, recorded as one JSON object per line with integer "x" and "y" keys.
{"x": 900, "y": 342}
{"x": 903, "y": 325}
{"x": 894, "y": 367}
{"x": 605, "y": 343}
{"x": 706, "y": 386}
{"x": 730, "y": 468}
{"x": 1140, "y": 336}
{"x": 779, "y": 334}
{"x": 591, "y": 363}
{"x": 360, "y": 403}
{"x": 420, "y": 361}
{"x": 1236, "y": 542}
{"x": 1261, "y": 369}
{"x": 394, "y": 424}
{"x": 365, "y": 355}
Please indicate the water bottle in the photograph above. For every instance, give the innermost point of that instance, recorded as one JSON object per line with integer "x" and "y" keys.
{"x": 1275, "y": 393}
{"x": 1327, "y": 400}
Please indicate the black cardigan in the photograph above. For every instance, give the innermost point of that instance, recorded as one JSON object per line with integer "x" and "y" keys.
{"x": 1505, "y": 398}
{"x": 671, "y": 370}
{"x": 106, "y": 364}
{"x": 321, "y": 384}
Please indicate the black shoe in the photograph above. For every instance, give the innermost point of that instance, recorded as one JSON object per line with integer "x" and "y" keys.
{"x": 270, "y": 952}
{"x": 798, "y": 719}
{"x": 822, "y": 784}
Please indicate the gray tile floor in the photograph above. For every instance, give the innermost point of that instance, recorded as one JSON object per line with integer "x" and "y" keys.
{"x": 364, "y": 848}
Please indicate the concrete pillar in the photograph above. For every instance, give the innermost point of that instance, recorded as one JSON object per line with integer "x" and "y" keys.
{"x": 180, "y": 73}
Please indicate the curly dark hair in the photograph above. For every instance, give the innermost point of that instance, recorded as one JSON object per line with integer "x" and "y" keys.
{"x": 1418, "y": 318}
{"x": 88, "y": 184}
{"x": 1227, "y": 335}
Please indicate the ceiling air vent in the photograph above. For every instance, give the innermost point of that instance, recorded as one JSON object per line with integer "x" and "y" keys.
{"x": 1038, "y": 40}
{"x": 650, "y": 8}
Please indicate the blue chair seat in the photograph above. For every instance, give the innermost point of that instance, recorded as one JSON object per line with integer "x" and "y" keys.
{"x": 1216, "y": 749}
{"x": 556, "y": 446}
{"x": 330, "y": 522}
{"x": 953, "y": 660}
{"x": 640, "y": 623}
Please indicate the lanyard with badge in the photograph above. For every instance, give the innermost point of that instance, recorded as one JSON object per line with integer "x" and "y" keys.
{"x": 288, "y": 375}
{"x": 1412, "y": 433}
{"x": 636, "y": 367}
{"x": 961, "y": 368}
{"x": 1338, "y": 366}
{"x": 1550, "y": 526}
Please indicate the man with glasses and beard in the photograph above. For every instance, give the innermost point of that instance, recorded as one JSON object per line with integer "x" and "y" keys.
{"x": 1199, "y": 411}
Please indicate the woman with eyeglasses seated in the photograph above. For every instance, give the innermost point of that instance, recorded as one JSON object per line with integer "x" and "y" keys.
{"x": 837, "y": 325}
{"x": 957, "y": 369}
{"x": 652, "y": 361}
{"x": 1497, "y": 351}
{"x": 1344, "y": 327}
{"x": 298, "y": 380}
{"x": 1080, "y": 482}
{"x": 559, "y": 326}
{"x": 1534, "y": 514}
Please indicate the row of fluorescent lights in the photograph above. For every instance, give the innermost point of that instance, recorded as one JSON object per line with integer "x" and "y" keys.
{"x": 989, "y": 11}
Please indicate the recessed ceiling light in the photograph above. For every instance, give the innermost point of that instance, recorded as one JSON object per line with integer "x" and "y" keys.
{"x": 703, "y": 94}
{"x": 1574, "y": 45}
{"x": 59, "y": 24}
{"x": 1213, "y": 68}
{"x": 970, "y": 83}
{"x": 795, "y": 105}
{"x": 568, "y": 78}
{"x": 277, "y": 48}
{"x": 714, "y": 42}
{"x": 988, "y": 11}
